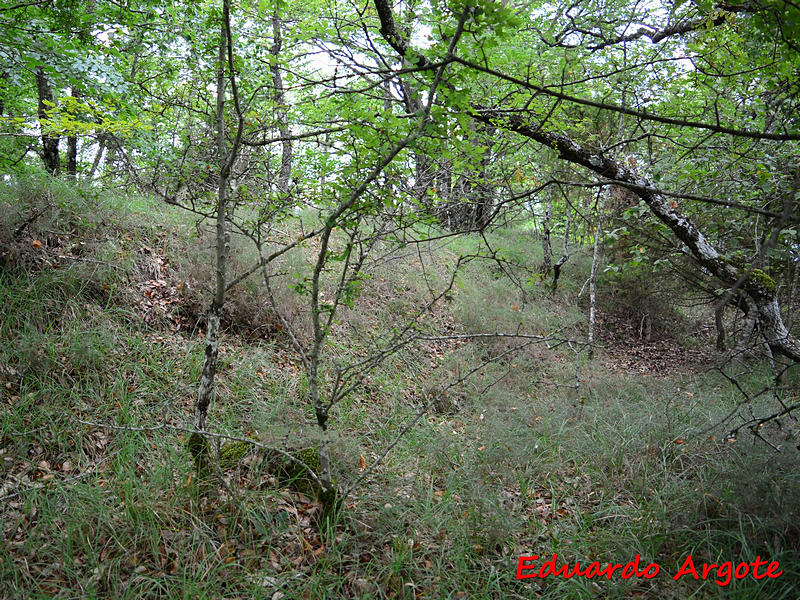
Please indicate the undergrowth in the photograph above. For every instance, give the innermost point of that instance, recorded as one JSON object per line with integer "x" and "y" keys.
{"x": 540, "y": 452}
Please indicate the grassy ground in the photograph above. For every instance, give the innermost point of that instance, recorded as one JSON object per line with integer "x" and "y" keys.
{"x": 541, "y": 452}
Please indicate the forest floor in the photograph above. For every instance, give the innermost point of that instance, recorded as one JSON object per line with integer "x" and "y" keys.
{"x": 540, "y": 452}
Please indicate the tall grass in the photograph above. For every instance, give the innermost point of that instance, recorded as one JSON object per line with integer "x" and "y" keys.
{"x": 620, "y": 465}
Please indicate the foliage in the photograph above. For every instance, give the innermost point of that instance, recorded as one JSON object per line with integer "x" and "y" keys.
{"x": 366, "y": 169}
{"x": 522, "y": 465}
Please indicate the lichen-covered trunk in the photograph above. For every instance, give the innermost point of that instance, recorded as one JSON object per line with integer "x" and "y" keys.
{"x": 312, "y": 367}
{"x": 598, "y": 233}
{"x": 205, "y": 391}
{"x": 547, "y": 249}
{"x": 321, "y": 413}
{"x": 762, "y": 292}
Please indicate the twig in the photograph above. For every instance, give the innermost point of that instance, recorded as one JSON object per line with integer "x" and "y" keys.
{"x": 38, "y": 486}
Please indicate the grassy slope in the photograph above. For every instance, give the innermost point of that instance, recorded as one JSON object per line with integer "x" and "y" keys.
{"x": 529, "y": 466}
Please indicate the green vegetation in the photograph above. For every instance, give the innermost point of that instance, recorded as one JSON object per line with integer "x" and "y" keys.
{"x": 764, "y": 280}
{"x": 305, "y": 299}
{"x": 95, "y": 505}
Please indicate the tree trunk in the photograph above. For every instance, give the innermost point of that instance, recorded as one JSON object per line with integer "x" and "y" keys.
{"x": 205, "y": 392}
{"x": 483, "y": 191}
{"x": 285, "y": 174}
{"x": 49, "y": 153}
{"x": 320, "y": 333}
{"x": 97, "y": 157}
{"x": 547, "y": 249}
{"x": 565, "y": 254}
{"x": 72, "y": 146}
{"x": 444, "y": 189}
{"x": 4, "y": 80}
{"x": 423, "y": 179}
{"x": 598, "y": 233}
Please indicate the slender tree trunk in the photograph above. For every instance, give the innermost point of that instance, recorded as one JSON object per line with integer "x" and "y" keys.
{"x": 49, "y": 153}
{"x": 423, "y": 178}
{"x": 547, "y": 249}
{"x": 748, "y": 329}
{"x": 320, "y": 332}
{"x": 424, "y": 175}
{"x": 598, "y": 233}
{"x": 72, "y": 157}
{"x": 719, "y": 322}
{"x": 101, "y": 140}
{"x": 227, "y": 158}
{"x": 565, "y": 254}
{"x": 285, "y": 174}
{"x": 483, "y": 191}
{"x": 4, "y": 81}
{"x": 72, "y": 145}
{"x": 794, "y": 272}
{"x": 444, "y": 188}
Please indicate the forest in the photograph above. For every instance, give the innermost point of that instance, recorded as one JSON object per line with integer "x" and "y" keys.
{"x": 412, "y": 299}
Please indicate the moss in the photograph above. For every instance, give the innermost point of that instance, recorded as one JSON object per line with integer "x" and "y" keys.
{"x": 297, "y": 477}
{"x": 198, "y": 446}
{"x": 763, "y": 280}
{"x": 232, "y": 453}
{"x": 201, "y": 451}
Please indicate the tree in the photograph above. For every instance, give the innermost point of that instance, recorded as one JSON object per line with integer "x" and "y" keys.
{"x": 227, "y": 157}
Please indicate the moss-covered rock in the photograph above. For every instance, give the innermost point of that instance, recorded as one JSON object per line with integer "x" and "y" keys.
{"x": 297, "y": 477}
{"x": 232, "y": 453}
